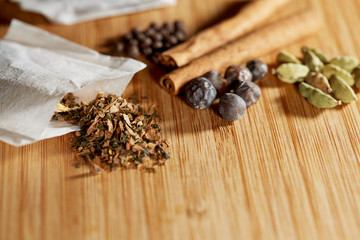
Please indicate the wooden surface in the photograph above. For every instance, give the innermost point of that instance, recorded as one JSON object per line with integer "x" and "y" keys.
{"x": 286, "y": 170}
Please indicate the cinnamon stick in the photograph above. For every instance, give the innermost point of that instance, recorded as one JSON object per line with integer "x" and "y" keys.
{"x": 254, "y": 45}
{"x": 247, "y": 19}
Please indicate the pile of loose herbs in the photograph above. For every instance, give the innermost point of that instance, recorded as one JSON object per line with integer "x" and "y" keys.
{"x": 114, "y": 133}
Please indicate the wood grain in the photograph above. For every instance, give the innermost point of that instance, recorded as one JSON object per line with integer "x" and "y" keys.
{"x": 285, "y": 171}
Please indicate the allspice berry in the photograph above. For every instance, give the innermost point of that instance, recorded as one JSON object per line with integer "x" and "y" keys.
{"x": 216, "y": 80}
{"x": 231, "y": 107}
{"x": 248, "y": 91}
{"x": 200, "y": 93}
{"x": 238, "y": 73}
{"x": 258, "y": 69}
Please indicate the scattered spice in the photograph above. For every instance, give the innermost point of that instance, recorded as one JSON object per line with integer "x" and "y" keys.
{"x": 236, "y": 89}
{"x": 322, "y": 77}
{"x": 152, "y": 41}
{"x": 115, "y": 133}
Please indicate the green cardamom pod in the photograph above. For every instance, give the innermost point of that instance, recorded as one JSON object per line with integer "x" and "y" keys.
{"x": 342, "y": 90}
{"x": 346, "y": 62}
{"x": 312, "y": 61}
{"x": 357, "y": 76}
{"x": 317, "y": 52}
{"x": 317, "y": 97}
{"x": 292, "y": 72}
{"x": 319, "y": 81}
{"x": 286, "y": 57}
{"x": 331, "y": 69}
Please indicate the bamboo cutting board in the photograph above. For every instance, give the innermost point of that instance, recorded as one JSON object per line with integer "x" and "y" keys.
{"x": 286, "y": 170}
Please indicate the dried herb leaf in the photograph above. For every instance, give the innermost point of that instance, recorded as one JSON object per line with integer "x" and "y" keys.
{"x": 116, "y": 133}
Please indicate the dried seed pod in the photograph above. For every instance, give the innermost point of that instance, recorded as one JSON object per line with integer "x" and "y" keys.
{"x": 248, "y": 91}
{"x": 342, "y": 90}
{"x": 238, "y": 73}
{"x": 317, "y": 52}
{"x": 286, "y": 57}
{"x": 331, "y": 69}
{"x": 346, "y": 62}
{"x": 357, "y": 76}
{"x": 292, "y": 72}
{"x": 319, "y": 81}
{"x": 317, "y": 97}
{"x": 312, "y": 61}
{"x": 231, "y": 107}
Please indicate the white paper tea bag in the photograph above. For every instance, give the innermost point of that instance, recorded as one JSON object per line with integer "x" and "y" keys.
{"x": 38, "y": 68}
{"x": 74, "y": 11}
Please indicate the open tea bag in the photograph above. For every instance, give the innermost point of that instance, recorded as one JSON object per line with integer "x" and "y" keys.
{"x": 74, "y": 11}
{"x": 38, "y": 68}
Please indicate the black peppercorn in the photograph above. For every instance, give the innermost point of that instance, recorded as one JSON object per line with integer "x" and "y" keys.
{"x": 180, "y": 35}
{"x": 248, "y": 91}
{"x": 147, "y": 51}
{"x": 128, "y": 37}
{"x": 120, "y": 46}
{"x": 179, "y": 25}
{"x": 200, "y": 93}
{"x": 157, "y": 45}
{"x": 133, "y": 51}
{"x": 238, "y": 73}
{"x": 172, "y": 40}
{"x": 258, "y": 69}
{"x": 231, "y": 107}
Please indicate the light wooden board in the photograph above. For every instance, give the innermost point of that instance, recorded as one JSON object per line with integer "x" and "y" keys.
{"x": 286, "y": 170}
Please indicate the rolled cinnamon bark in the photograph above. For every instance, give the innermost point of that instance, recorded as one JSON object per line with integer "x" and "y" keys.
{"x": 254, "y": 45}
{"x": 250, "y": 17}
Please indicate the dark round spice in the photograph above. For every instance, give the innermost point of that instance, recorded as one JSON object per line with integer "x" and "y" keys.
{"x": 120, "y": 46}
{"x": 172, "y": 40}
{"x": 154, "y": 26}
{"x": 147, "y": 51}
{"x": 133, "y": 51}
{"x": 140, "y": 36}
{"x": 216, "y": 80}
{"x": 157, "y": 45}
{"x": 168, "y": 26}
{"x": 146, "y": 42}
{"x": 258, "y": 69}
{"x": 168, "y": 45}
{"x": 200, "y": 93}
{"x": 179, "y": 25}
{"x": 248, "y": 91}
{"x": 156, "y": 58}
{"x": 180, "y": 35}
{"x": 157, "y": 37}
{"x": 128, "y": 37}
{"x": 133, "y": 42}
{"x": 135, "y": 31}
{"x": 238, "y": 73}
{"x": 150, "y": 32}
{"x": 231, "y": 107}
